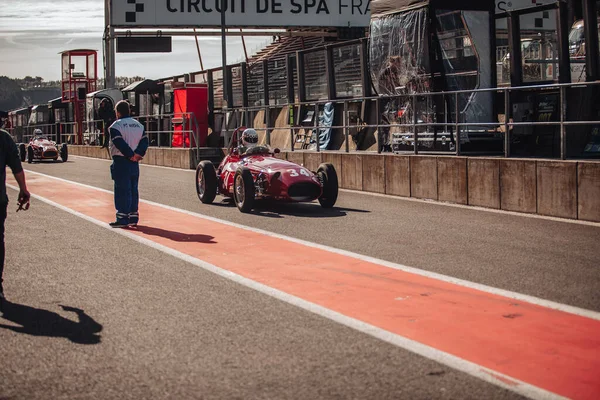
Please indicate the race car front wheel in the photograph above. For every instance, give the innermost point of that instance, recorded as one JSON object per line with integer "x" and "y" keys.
{"x": 64, "y": 152}
{"x": 329, "y": 178}
{"x": 243, "y": 190}
{"x": 29, "y": 154}
{"x": 22, "y": 152}
{"x": 206, "y": 182}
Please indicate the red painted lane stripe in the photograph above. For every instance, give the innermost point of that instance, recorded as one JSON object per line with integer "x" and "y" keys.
{"x": 550, "y": 349}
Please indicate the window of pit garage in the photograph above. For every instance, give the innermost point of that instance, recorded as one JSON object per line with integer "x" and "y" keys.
{"x": 539, "y": 46}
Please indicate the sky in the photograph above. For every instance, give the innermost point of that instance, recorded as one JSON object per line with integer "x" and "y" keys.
{"x": 33, "y": 32}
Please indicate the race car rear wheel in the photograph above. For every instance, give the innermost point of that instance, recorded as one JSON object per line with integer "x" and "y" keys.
{"x": 243, "y": 190}
{"x": 22, "y": 152}
{"x": 29, "y": 154}
{"x": 328, "y": 176}
{"x": 206, "y": 182}
{"x": 64, "y": 152}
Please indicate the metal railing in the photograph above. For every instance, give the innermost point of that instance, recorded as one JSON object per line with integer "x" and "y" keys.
{"x": 190, "y": 129}
{"x": 189, "y": 132}
{"x": 417, "y": 131}
{"x": 412, "y": 131}
{"x": 62, "y": 132}
{"x": 66, "y": 131}
{"x": 92, "y": 134}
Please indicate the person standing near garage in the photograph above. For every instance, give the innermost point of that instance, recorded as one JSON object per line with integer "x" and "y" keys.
{"x": 107, "y": 114}
{"x": 9, "y": 156}
{"x": 128, "y": 145}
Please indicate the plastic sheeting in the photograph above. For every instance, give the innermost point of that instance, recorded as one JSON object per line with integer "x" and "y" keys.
{"x": 398, "y": 57}
{"x": 324, "y": 131}
{"x": 399, "y": 65}
{"x": 400, "y": 62}
{"x": 464, "y": 38}
{"x": 480, "y": 106}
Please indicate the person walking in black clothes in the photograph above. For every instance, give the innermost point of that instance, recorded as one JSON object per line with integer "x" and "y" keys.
{"x": 9, "y": 156}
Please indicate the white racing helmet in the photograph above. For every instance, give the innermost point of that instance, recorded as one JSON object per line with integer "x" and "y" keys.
{"x": 249, "y": 138}
{"x": 38, "y": 132}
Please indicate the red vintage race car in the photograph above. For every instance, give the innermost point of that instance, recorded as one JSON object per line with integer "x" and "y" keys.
{"x": 42, "y": 148}
{"x": 247, "y": 175}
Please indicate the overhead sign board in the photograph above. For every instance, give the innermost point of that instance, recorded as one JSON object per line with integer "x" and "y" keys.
{"x": 537, "y": 21}
{"x": 136, "y": 44}
{"x": 509, "y": 5}
{"x": 240, "y": 13}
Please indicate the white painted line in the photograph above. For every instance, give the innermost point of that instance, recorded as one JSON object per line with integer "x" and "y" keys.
{"x": 485, "y": 374}
{"x": 477, "y": 286}
{"x": 467, "y": 207}
{"x": 416, "y": 200}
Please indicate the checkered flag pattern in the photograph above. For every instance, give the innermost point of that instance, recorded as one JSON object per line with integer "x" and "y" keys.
{"x": 130, "y": 16}
{"x": 539, "y": 22}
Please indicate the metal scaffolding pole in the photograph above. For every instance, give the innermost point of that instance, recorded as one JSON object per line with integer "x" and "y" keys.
{"x": 109, "y": 48}
{"x": 224, "y": 54}
{"x": 244, "y": 45}
{"x": 199, "y": 56}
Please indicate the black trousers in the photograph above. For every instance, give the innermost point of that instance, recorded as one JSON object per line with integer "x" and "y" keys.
{"x": 3, "y": 208}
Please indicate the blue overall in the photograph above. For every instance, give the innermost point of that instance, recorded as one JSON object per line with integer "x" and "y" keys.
{"x": 126, "y": 175}
{"x": 128, "y": 138}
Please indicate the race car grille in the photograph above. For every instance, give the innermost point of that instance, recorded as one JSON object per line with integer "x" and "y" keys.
{"x": 50, "y": 154}
{"x": 304, "y": 191}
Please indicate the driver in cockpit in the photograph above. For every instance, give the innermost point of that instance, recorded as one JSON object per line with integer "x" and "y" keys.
{"x": 249, "y": 144}
{"x": 248, "y": 140}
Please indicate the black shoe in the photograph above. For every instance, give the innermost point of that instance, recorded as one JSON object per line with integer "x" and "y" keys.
{"x": 119, "y": 224}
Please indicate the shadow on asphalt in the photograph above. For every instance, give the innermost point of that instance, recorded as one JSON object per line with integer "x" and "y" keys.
{"x": 275, "y": 209}
{"x": 47, "y": 162}
{"x": 305, "y": 210}
{"x": 38, "y": 322}
{"x": 172, "y": 235}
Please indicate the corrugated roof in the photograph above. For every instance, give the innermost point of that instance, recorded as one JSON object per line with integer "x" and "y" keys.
{"x": 141, "y": 86}
{"x": 383, "y": 7}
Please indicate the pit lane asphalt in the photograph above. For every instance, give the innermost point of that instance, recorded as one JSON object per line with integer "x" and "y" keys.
{"x": 550, "y": 259}
{"x": 96, "y": 315}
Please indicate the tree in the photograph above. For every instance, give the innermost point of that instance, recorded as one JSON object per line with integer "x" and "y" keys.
{"x": 11, "y": 96}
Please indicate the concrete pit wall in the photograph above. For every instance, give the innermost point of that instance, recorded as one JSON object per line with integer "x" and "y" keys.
{"x": 166, "y": 157}
{"x": 566, "y": 189}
